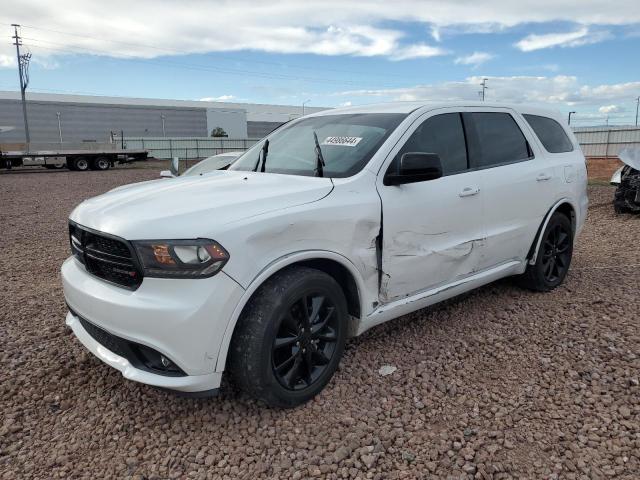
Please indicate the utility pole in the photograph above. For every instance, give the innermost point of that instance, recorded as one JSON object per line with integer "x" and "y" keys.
{"x": 483, "y": 84}
{"x": 569, "y": 120}
{"x": 162, "y": 117}
{"x": 303, "y": 104}
{"x": 23, "y": 72}
{"x": 637, "y": 105}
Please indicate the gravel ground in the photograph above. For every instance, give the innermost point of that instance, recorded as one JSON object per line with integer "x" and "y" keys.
{"x": 501, "y": 383}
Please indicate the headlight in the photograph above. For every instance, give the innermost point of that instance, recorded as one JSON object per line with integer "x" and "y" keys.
{"x": 181, "y": 258}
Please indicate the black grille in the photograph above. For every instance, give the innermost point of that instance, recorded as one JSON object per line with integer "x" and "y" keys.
{"x": 104, "y": 256}
{"x": 107, "y": 340}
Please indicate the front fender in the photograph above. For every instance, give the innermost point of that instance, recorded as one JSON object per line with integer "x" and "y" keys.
{"x": 273, "y": 268}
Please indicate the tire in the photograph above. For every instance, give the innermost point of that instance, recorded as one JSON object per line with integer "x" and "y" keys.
{"x": 273, "y": 357}
{"x": 100, "y": 163}
{"x": 80, "y": 164}
{"x": 554, "y": 256}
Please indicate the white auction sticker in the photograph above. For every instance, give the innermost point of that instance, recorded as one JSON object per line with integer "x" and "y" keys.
{"x": 343, "y": 141}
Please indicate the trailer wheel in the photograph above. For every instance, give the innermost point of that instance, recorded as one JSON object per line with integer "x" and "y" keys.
{"x": 81, "y": 164}
{"x": 100, "y": 163}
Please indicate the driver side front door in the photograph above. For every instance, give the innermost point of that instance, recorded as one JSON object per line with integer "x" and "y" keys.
{"x": 433, "y": 231}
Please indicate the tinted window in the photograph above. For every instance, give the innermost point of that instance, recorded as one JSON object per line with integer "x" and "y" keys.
{"x": 441, "y": 134}
{"x": 550, "y": 133}
{"x": 498, "y": 140}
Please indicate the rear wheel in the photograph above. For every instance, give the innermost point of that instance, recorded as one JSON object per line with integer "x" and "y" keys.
{"x": 80, "y": 164}
{"x": 290, "y": 337}
{"x": 554, "y": 256}
{"x": 100, "y": 163}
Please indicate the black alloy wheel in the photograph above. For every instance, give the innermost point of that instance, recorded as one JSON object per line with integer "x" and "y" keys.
{"x": 290, "y": 337}
{"x": 305, "y": 342}
{"x": 555, "y": 253}
{"x": 554, "y": 256}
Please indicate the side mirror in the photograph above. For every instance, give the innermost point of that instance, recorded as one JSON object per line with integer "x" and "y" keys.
{"x": 415, "y": 167}
{"x": 166, "y": 174}
{"x": 175, "y": 166}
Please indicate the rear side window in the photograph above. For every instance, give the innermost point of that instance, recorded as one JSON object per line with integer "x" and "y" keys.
{"x": 550, "y": 133}
{"x": 441, "y": 134}
{"x": 497, "y": 141}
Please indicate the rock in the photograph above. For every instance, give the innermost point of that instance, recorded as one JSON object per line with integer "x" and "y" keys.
{"x": 387, "y": 370}
{"x": 624, "y": 411}
{"x": 408, "y": 456}
{"x": 341, "y": 454}
{"x": 369, "y": 459}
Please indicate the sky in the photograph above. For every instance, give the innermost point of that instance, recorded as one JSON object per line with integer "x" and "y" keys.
{"x": 570, "y": 55}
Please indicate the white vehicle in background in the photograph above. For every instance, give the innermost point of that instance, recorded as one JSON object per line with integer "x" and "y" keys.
{"x": 627, "y": 178}
{"x": 334, "y": 223}
{"x": 222, "y": 161}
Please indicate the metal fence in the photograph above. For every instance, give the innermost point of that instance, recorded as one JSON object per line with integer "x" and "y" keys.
{"x": 606, "y": 142}
{"x": 188, "y": 147}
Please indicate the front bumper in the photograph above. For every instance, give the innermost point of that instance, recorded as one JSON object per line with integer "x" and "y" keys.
{"x": 189, "y": 383}
{"x": 183, "y": 319}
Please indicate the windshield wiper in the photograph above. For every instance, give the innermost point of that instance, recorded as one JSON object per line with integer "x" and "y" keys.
{"x": 265, "y": 152}
{"x": 319, "y": 158}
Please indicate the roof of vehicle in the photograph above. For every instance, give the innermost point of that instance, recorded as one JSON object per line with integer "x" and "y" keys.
{"x": 408, "y": 107}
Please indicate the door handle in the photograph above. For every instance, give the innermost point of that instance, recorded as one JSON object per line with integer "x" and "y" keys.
{"x": 543, "y": 177}
{"x": 469, "y": 191}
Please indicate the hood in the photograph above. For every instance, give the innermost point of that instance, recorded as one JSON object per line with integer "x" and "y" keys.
{"x": 631, "y": 157}
{"x": 192, "y": 207}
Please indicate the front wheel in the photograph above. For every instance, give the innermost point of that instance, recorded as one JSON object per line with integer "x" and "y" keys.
{"x": 290, "y": 337}
{"x": 554, "y": 256}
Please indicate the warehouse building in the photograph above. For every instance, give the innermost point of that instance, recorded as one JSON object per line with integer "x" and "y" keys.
{"x": 80, "y": 118}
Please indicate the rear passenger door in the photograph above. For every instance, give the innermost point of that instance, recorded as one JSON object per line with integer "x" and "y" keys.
{"x": 517, "y": 179}
{"x": 432, "y": 230}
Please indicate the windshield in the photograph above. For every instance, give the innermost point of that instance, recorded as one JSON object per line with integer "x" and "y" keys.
{"x": 210, "y": 164}
{"x": 347, "y": 143}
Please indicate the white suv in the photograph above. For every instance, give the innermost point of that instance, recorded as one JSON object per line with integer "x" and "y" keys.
{"x": 335, "y": 223}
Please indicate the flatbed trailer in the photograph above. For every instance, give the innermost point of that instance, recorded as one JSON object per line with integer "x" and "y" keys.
{"x": 73, "y": 159}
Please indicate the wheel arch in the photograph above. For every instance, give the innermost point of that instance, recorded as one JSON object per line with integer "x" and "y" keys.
{"x": 334, "y": 264}
{"x": 563, "y": 205}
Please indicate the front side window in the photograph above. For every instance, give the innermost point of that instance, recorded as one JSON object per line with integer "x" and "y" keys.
{"x": 550, "y": 133}
{"x": 441, "y": 134}
{"x": 497, "y": 140}
{"x": 347, "y": 143}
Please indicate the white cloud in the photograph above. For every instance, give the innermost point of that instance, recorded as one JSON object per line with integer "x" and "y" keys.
{"x": 148, "y": 28}
{"x": 345, "y": 104}
{"x": 475, "y": 59}
{"x": 221, "y": 98}
{"x": 417, "y": 51}
{"x": 607, "y": 109}
{"x": 7, "y": 61}
{"x": 582, "y": 36}
{"x": 556, "y": 91}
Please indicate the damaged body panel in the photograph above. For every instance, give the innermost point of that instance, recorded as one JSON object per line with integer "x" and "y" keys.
{"x": 424, "y": 246}
{"x": 627, "y": 195}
